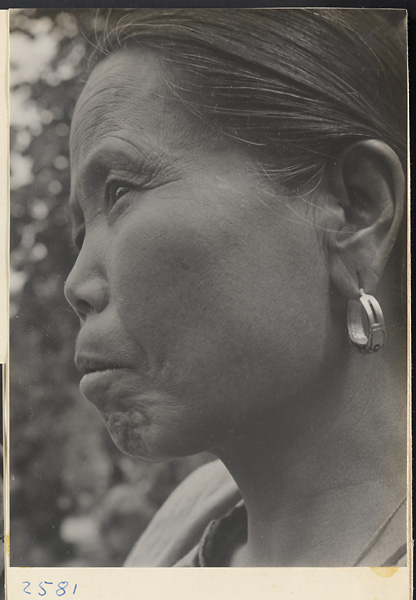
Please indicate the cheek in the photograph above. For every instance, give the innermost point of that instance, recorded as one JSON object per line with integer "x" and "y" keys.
{"x": 232, "y": 324}
{"x": 250, "y": 301}
{"x": 168, "y": 288}
{"x": 280, "y": 309}
{"x": 175, "y": 295}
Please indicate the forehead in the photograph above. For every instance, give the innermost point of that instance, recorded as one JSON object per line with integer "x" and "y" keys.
{"x": 126, "y": 91}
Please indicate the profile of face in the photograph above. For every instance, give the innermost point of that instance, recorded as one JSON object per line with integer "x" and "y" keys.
{"x": 200, "y": 285}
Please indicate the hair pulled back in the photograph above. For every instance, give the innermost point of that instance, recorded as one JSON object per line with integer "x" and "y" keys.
{"x": 294, "y": 84}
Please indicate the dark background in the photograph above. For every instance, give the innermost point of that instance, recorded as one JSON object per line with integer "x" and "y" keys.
{"x": 76, "y": 500}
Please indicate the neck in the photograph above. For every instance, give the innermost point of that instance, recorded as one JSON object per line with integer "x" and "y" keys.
{"x": 319, "y": 485}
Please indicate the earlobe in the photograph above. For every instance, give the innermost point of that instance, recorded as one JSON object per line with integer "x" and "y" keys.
{"x": 368, "y": 183}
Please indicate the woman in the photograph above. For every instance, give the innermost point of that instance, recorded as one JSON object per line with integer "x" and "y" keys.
{"x": 238, "y": 191}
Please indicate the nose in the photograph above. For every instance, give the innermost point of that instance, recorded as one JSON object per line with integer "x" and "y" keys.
{"x": 86, "y": 289}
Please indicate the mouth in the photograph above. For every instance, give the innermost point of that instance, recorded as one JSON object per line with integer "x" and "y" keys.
{"x": 91, "y": 365}
{"x": 101, "y": 385}
{"x": 97, "y": 372}
{"x": 94, "y": 383}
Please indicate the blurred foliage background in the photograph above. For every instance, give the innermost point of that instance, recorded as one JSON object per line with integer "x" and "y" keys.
{"x": 75, "y": 499}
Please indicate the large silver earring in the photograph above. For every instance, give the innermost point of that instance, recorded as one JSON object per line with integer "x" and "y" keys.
{"x": 371, "y": 337}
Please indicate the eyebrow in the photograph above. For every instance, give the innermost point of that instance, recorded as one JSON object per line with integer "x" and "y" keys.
{"x": 128, "y": 157}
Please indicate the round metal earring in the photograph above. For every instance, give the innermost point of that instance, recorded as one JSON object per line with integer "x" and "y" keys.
{"x": 371, "y": 337}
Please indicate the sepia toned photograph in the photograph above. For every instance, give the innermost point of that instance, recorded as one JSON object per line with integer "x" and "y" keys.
{"x": 208, "y": 288}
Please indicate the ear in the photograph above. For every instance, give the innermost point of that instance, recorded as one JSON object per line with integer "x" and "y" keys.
{"x": 368, "y": 184}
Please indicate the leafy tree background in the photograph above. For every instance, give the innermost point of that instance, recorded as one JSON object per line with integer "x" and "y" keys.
{"x": 75, "y": 499}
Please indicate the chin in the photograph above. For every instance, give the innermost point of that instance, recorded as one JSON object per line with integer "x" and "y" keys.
{"x": 128, "y": 432}
{"x": 135, "y": 436}
{"x": 135, "y": 448}
{"x": 140, "y": 438}
{"x": 152, "y": 426}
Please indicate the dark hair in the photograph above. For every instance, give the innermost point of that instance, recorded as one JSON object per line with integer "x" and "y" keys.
{"x": 292, "y": 83}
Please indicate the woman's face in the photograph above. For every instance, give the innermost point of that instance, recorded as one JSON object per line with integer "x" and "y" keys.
{"x": 202, "y": 290}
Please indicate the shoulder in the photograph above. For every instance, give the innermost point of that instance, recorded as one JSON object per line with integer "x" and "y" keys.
{"x": 206, "y": 494}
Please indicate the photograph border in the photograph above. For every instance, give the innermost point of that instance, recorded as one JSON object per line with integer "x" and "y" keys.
{"x": 160, "y": 583}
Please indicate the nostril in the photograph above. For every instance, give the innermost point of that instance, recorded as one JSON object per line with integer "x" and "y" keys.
{"x": 86, "y": 291}
{"x": 80, "y": 306}
{"x": 83, "y": 309}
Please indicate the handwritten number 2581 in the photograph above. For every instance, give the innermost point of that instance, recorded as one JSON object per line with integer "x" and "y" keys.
{"x": 60, "y": 589}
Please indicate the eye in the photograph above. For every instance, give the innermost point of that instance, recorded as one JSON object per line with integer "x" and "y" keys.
{"x": 114, "y": 191}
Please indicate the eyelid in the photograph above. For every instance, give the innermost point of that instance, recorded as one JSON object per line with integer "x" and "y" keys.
{"x": 112, "y": 184}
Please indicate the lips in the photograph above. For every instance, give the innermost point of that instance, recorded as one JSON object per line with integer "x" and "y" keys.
{"x": 93, "y": 364}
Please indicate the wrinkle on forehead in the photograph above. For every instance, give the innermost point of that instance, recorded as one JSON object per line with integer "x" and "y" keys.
{"x": 134, "y": 77}
{"x": 128, "y": 97}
